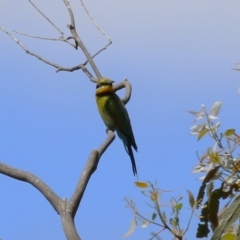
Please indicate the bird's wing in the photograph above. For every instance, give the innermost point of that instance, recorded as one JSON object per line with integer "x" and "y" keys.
{"x": 117, "y": 111}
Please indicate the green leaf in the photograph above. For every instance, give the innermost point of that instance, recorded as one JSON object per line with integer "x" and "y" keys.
{"x": 179, "y": 206}
{"x": 238, "y": 231}
{"x": 164, "y": 216}
{"x": 202, "y": 134}
{"x": 215, "y": 158}
{"x": 176, "y": 220}
{"x": 201, "y": 194}
{"x": 210, "y": 174}
{"x": 229, "y": 236}
{"x": 229, "y": 132}
{"x": 154, "y": 196}
{"x": 172, "y": 222}
{"x": 141, "y": 184}
{"x": 213, "y": 207}
{"x": 191, "y": 199}
{"x": 230, "y": 216}
{"x": 154, "y": 216}
{"x": 198, "y": 128}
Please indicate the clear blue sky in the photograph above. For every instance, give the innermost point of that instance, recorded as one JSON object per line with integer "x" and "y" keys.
{"x": 176, "y": 54}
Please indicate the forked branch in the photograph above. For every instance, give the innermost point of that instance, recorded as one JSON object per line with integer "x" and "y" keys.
{"x": 74, "y": 36}
{"x": 67, "y": 209}
{"x": 89, "y": 169}
{"x": 33, "y": 180}
{"x": 79, "y": 42}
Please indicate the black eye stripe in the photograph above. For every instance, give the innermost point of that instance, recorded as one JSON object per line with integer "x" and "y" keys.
{"x": 99, "y": 85}
{"x": 102, "y": 84}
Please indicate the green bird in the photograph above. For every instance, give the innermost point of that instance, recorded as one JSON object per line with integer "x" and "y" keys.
{"x": 115, "y": 116}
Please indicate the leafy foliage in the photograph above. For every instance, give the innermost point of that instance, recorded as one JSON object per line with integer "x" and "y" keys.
{"x": 221, "y": 165}
{"x": 159, "y": 217}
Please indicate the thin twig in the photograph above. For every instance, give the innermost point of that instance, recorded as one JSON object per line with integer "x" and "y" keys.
{"x": 157, "y": 207}
{"x": 80, "y": 66}
{"x": 189, "y": 221}
{"x": 150, "y": 221}
{"x": 95, "y": 24}
{"x": 58, "y": 67}
{"x": 46, "y": 18}
{"x": 155, "y": 234}
{"x": 61, "y": 39}
{"x": 73, "y": 30}
{"x": 99, "y": 29}
{"x": 84, "y": 69}
{"x": 131, "y": 205}
{"x": 94, "y": 55}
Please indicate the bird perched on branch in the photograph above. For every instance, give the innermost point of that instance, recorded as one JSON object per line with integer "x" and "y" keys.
{"x": 115, "y": 116}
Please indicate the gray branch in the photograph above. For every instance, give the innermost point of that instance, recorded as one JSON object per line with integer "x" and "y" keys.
{"x": 46, "y": 17}
{"x": 68, "y": 221}
{"x": 67, "y": 209}
{"x": 124, "y": 84}
{"x": 79, "y": 42}
{"x": 33, "y": 180}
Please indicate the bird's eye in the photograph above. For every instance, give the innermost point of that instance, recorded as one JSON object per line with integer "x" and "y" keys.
{"x": 99, "y": 85}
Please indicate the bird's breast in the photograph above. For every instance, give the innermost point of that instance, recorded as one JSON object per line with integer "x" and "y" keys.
{"x": 106, "y": 117}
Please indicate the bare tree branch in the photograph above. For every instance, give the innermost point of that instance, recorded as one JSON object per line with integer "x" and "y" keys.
{"x": 61, "y": 39}
{"x": 124, "y": 84}
{"x": 100, "y": 30}
{"x": 68, "y": 221}
{"x": 68, "y": 209}
{"x": 46, "y": 17}
{"x": 89, "y": 169}
{"x": 60, "y": 68}
{"x": 94, "y": 55}
{"x": 95, "y": 24}
{"x": 33, "y": 180}
{"x": 72, "y": 28}
{"x": 75, "y": 37}
{"x": 84, "y": 69}
{"x": 237, "y": 68}
{"x": 107, "y": 142}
